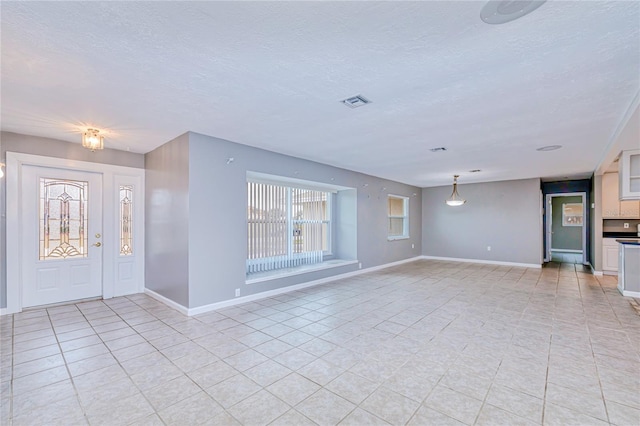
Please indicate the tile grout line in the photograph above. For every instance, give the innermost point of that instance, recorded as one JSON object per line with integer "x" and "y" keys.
{"x": 604, "y": 401}
{"x": 546, "y": 381}
{"x": 66, "y": 366}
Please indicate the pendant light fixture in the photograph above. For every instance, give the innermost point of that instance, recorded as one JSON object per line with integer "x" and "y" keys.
{"x": 92, "y": 139}
{"x": 455, "y": 199}
{"x": 503, "y": 11}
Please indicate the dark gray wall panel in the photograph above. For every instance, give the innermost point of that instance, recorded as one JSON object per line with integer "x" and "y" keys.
{"x": 167, "y": 220}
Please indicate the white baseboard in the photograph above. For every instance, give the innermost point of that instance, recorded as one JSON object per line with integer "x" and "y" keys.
{"x": 598, "y": 273}
{"x": 3, "y": 311}
{"x": 262, "y": 295}
{"x": 160, "y": 298}
{"x": 487, "y": 262}
{"x": 627, "y": 293}
{"x": 566, "y": 251}
{"x": 277, "y": 291}
{"x": 385, "y": 266}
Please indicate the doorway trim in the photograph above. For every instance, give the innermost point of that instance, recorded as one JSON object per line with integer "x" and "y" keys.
{"x": 111, "y": 176}
{"x": 548, "y": 219}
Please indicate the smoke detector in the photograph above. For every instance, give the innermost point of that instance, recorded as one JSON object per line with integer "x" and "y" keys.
{"x": 356, "y": 101}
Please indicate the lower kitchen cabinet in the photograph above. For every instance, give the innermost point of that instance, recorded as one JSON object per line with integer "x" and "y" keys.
{"x": 609, "y": 255}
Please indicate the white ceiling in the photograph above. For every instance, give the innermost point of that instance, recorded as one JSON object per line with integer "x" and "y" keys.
{"x": 271, "y": 75}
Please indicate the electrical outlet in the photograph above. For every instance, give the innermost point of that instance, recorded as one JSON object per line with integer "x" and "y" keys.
{"x": 488, "y": 248}
{"x": 413, "y": 246}
{"x": 237, "y": 292}
{"x": 626, "y": 226}
{"x": 359, "y": 265}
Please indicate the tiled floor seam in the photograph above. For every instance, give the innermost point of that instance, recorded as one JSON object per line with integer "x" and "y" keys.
{"x": 604, "y": 401}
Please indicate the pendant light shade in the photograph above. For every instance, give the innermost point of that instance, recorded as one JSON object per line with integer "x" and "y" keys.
{"x": 92, "y": 139}
{"x": 455, "y": 199}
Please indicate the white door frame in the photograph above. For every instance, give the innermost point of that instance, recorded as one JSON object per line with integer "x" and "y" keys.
{"x": 548, "y": 219}
{"x": 112, "y": 176}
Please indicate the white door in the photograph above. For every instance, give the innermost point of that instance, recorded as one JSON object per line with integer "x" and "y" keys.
{"x": 62, "y": 235}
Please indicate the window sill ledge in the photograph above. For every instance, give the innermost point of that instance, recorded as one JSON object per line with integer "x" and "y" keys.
{"x": 289, "y": 272}
{"x": 398, "y": 238}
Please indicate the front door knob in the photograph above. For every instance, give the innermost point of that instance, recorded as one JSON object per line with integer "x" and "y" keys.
{"x": 98, "y": 244}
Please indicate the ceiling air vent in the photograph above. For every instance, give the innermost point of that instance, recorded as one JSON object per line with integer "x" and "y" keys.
{"x": 549, "y": 148}
{"x": 441, "y": 148}
{"x": 356, "y": 101}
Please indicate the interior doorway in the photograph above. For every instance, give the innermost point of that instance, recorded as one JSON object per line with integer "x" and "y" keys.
{"x": 565, "y": 231}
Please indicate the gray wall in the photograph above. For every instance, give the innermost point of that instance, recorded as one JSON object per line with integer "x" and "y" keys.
{"x": 14, "y": 142}
{"x": 564, "y": 237}
{"x": 217, "y": 229}
{"x": 167, "y": 220}
{"x": 504, "y": 215}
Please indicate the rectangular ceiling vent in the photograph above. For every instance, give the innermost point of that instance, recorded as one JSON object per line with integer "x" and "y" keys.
{"x": 356, "y": 101}
{"x": 438, "y": 149}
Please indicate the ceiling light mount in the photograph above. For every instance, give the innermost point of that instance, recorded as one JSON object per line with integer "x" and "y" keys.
{"x": 455, "y": 199}
{"x": 93, "y": 140}
{"x": 502, "y": 11}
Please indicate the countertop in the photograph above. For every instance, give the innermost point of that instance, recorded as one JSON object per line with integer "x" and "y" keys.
{"x": 620, "y": 235}
{"x": 634, "y": 242}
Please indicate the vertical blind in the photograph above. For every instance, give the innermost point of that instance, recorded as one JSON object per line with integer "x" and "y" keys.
{"x": 287, "y": 226}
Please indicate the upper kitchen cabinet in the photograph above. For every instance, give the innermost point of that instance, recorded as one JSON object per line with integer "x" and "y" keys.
{"x": 612, "y": 207}
{"x": 630, "y": 175}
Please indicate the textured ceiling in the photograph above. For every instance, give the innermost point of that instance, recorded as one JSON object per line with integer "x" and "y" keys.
{"x": 271, "y": 74}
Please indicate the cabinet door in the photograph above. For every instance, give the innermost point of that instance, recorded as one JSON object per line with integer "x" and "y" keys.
{"x": 610, "y": 258}
{"x": 610, "y": 201}
{"x": 630, "y": 175}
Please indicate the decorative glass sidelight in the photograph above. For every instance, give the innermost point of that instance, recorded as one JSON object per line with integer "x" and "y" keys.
{"x": 63, "y": 219}
{"x": 126, "y": 220}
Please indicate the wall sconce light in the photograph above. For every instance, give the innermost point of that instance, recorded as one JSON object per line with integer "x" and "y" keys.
{"x": 92, "y": 139}
{"x": 1, "y": 171}
{"x": 455, "y": 199}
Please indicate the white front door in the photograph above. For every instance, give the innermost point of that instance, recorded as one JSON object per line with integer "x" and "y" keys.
{"x": 62, "y": 235}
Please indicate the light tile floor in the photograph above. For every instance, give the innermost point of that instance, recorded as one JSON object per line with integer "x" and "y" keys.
{"x": 564, "y": 257}
{"x": 429, "y": 342}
